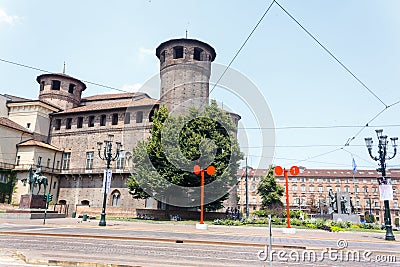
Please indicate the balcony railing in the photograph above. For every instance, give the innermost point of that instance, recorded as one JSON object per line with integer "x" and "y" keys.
{"x": 8, "y": 166}
{"x": 92, "y": 171}
{"x": 25, "y": 167}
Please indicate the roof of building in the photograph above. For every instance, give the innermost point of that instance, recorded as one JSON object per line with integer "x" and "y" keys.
{"x": 115, "y": 96}
{"x": 13, "y": 125}
{"x": 32, "y": 102}
{"x": 323, "y": 173}
{"x": 32, "y": 142}
{"x": 185, "y": 40}
{"x": 113, "y": 105}
{"x": 39, "y": 78}
{"x": 14, "y": 98}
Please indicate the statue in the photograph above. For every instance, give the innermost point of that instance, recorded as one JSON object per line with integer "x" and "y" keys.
{"x": 332, "y": 201}
{"x": 40, "y": 179}
{"x": 35, "y": 178}
{"x": 31, "y": 181}
{"x": 343, "y": 207}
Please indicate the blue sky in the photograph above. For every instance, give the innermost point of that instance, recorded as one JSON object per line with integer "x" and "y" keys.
{"x": 113, "y": 44}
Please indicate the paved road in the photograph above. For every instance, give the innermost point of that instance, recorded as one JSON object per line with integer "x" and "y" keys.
{"x": 147, "y": 244}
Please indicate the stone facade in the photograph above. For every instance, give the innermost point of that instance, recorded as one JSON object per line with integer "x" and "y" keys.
{"x": 185, "y": 68}
{"x": 71, "y": 126}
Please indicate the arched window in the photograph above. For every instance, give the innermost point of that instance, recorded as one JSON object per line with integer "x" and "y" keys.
{"x": 62, "y": 202}
{"x": 151, "y": 114}
{"x": 85, "y": 202}
{"x": 116, "y": 198}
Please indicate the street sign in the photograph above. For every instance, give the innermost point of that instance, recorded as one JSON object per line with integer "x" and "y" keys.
{"x": 107, "y": 181}
{"x": 385, "y": 192}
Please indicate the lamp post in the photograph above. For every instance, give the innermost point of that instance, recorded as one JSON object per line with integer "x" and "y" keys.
{"x": 108, "y": 156}
{"x": 381, "y": 158}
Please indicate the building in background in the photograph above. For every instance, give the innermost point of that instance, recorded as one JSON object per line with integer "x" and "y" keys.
{"x": 309, "y": 190}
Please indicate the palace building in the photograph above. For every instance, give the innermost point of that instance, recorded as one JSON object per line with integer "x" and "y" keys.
{"x": 309, "y": 190}
{"x": 60, "y": 130}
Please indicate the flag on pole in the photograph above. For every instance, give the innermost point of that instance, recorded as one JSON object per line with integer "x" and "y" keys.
{"x": 354, "y": 167}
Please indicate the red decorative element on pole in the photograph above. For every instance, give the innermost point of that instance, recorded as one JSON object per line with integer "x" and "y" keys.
{"x": 210, "y": 171}
{"x": 287, "y": 198}
{"x": 294, "y": 170}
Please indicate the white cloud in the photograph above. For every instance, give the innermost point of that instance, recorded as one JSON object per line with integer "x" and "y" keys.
{"x": 4, "y": 17}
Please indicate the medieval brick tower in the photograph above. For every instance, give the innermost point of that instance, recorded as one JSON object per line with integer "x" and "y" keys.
{"x": 185, "y": 68}
{"x": 60, "y": 90}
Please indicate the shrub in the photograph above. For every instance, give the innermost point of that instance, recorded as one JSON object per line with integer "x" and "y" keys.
{"x": 311, "y": 225}
{"x": 336, "y": 229}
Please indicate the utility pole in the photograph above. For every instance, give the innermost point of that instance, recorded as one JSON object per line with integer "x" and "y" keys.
{"x": 247, "y": 192}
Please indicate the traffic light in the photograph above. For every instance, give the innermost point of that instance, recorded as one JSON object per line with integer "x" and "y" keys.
{"x": 49, "y": 197}
{"x": 45, "y": 198}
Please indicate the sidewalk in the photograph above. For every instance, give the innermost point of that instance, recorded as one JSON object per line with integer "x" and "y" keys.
{"x": 213, "y": 230}
{"x": 235, "y": 237}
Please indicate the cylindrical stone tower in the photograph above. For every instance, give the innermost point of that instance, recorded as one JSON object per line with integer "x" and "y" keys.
{"x": 185, "y": 68}
{"x": 60, "y": 90}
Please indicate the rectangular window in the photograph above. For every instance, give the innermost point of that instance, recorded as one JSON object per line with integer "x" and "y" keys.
{"x": 57, "y": 124}
{"x": 319, "y": 180}
{"x": 89, "y": 160}
{"x": 48, "y": 163}
{"x": 197, "y": 53}
{"x": 39, "y": 161}
{"x": 127, "y": 118}
{"x": 178, "y": 52}
{"x": 320, "y": 189}
{"x": 55, "y": 85}
{"x": 91, "y": 121}
{"x": 121, "y": 160}
{"x": 139, "y": 117}
{"x": 54, "y": 185}
{"x": 57, "y": 164}
{"x": 347, "y": 189}
{"x": 103, "y": 120}
{"x": 303, "y": 188}
{"x": 3, "y": 178}
{"x": 365, "y": 189}
{"x": 311, "y": 179}
{"x": 311, "y": 188}
{"x": 71, "y": 88}
{"x": 294, "y": 179}
{"x": 65, "y": 161}
{"x": 115, "y": 119}
{"x": 18, "y": 160}
{"x": 79, "y": 123}
{"x": 68, "y": 124}
{"x": 294, "y": 188}
{"x": 41, "y": 85}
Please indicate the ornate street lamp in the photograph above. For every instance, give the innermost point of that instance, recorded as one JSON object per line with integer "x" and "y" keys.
{"x": 108, "y": 156}
{"x": 381, "y": 158}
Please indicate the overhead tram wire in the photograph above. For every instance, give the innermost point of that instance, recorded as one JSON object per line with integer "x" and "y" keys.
{"x": 333, "y": 56}
{"x": 242, "y": 46}
{"x": 85, "y": 81}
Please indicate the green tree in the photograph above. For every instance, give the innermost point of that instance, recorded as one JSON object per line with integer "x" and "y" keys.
{"x": 166, "y": 160}
{"x": 270, "y": 191}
